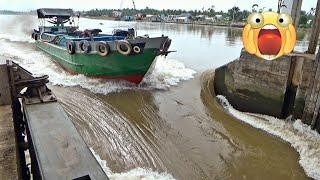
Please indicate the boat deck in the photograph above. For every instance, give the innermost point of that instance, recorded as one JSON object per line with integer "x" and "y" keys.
{"x": 8, "y": 152}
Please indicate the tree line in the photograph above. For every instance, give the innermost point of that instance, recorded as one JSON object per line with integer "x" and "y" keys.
{"x": 233, "y": 14}
{"x": 239, "y": 15}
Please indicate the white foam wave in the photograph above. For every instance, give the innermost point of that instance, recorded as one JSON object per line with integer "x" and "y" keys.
{"x": 299, "y": 135}
{"x": 134, "y": 174}
{"x": 17, "y": 38}
{"x": 17, "y": 28}
{"x": 167, "y": 72}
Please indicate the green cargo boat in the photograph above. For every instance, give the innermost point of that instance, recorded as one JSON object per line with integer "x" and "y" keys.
{"x": 121, "y": 55}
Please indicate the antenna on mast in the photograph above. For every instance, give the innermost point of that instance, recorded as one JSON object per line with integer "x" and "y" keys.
{"x": 134, "y": 5}
{"x": 135, "y": 9}
{"x": 121, "y": 4}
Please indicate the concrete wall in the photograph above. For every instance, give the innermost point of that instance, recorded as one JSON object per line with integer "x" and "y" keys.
{"x": 278, "y": 88}
{"x": 254, "y": 85}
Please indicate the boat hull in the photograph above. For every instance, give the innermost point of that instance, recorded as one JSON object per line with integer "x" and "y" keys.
{"x": 113, "y": 66}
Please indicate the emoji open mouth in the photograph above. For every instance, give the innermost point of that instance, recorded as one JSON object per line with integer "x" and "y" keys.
{"x": 269, "y": 41}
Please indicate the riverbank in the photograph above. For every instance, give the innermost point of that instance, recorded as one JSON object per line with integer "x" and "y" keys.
{"x": 235, "y": 25}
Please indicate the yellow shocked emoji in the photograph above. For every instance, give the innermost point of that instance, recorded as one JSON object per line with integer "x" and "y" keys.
{"x": 269, "y": 35}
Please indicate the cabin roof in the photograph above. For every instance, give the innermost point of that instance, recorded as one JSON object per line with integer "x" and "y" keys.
{"x": 50, "y": 13}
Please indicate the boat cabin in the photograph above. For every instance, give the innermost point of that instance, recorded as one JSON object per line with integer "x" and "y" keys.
{"x": 64, "y": 26}
{"x": 60, "y": 20}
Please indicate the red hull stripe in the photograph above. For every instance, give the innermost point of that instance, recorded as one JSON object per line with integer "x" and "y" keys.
{"x": 132, "y": 78}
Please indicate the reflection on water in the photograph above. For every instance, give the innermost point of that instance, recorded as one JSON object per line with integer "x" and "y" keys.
{"x": 198, "y": 46}
{"x": 233, "y": 35}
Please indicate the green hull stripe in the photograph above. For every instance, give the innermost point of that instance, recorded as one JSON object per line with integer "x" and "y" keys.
{"x": 113, "y": 65}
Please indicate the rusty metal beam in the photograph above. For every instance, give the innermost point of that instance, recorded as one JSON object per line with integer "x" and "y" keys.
{"x": 315, "y": 31}
{"x": 5, "y": 95}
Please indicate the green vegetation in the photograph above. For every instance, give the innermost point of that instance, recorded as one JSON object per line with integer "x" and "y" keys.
{"x": 234, "y": 14}
{"x": 306, "y": 18}
{"x": 239, "y": 15}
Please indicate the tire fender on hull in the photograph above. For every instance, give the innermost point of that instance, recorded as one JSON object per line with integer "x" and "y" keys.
{"x": 71, "y": 47}
{"x": 36, "y": 36}
{"x": 124, "y": 47}
{"x": 136, "y": 49}
{"x": 103, "y": 48}
{"x": 85, "y": 46}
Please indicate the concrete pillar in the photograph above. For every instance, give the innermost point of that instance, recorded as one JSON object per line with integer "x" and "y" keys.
{"x": 297, "y": 72}
{"x": 312, "y": 103}
{"x": 292, "y": 7}
{"x": 295, "y": 12}
{"x": 315, "y": 30}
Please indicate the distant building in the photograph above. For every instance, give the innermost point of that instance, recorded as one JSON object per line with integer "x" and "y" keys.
{"x": 116, "y": 14}
{"x": 128, "y": 18}
{"x": 199, "y": 17}
{"x": 171, "y": 18}
{"x": 185, "y": 15}
{"x": 149, "y": 16}
{"x": 205, "y": 18}
{"x": 210, "y": 19}
{"x": 182, "y": 20}
{"x": 141, "y": 16}
{"x": 218, "y": 17}
{"x": 153, "y": 18}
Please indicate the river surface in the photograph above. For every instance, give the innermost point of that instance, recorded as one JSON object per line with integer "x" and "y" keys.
{"x": 171, "y": 126}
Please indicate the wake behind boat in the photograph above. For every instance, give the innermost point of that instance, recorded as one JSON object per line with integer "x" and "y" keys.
{"x": 120, "y": 55}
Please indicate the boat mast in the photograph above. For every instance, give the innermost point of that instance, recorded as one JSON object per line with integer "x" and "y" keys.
{"x": 134, "y": 6}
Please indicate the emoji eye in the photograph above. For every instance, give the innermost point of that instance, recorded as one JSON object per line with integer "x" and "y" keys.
{"x": 284, "y": 20}
{"x": 256, "y": 20}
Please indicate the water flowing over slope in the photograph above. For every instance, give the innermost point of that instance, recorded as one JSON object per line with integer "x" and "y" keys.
{"x": 299, "y": 135}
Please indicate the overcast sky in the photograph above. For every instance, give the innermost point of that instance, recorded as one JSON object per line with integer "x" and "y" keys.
{"x": 25, "y": 5}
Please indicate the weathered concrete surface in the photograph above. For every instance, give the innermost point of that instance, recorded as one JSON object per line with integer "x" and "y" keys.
{"x": 312, "y": 103}
{"x": 315, "y": 31}
{"x": 8, "y": 152}
{"x": 276, "y": 88}
{"x": 254, "y": 85}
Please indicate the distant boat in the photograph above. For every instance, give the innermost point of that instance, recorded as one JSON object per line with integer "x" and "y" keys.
{"x": 120, "y": 55}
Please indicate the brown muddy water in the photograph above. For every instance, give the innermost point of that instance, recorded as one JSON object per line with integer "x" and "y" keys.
{"x": 182, "y": 131}
{"x": 172, "y": 123}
